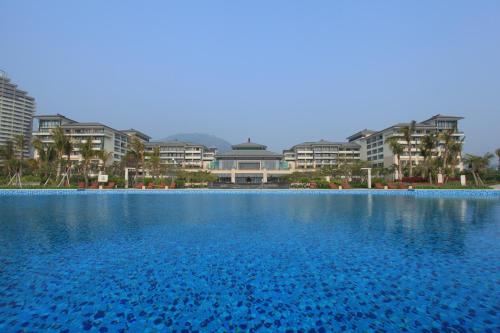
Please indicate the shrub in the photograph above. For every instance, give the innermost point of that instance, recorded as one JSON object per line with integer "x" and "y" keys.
{"x": 379, "y": 180}
{"x": 414, "y": 179}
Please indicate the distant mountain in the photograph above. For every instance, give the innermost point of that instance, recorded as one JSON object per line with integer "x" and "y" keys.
{"x": 201, "y": 138}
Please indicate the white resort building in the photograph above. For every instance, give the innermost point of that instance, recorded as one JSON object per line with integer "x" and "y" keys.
{"x": 376, "y": 150}
{"x": 314, "y": 155}
{"x": 183, "y": 154}
{"x": 103, "y": 137}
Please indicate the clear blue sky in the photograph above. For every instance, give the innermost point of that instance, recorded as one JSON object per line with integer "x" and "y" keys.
{"x": 280, "y": 72}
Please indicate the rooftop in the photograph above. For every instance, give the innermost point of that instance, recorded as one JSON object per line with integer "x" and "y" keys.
{"x": 325, "y": 143}
{"x": 249, "y": 145}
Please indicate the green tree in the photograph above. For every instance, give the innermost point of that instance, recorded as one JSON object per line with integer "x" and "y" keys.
{"x": 154, "y": 162}
{"x": 455, "y": 155}
{"x": 428, "y": 144}
{"x": 46, "y": 156}
{"x": 104, "y": 158}
{"x": 408, "y": 132}
{"x": 451, "y": 150}
{"x": 8, "y": 155}
{"x": 138, "y": 152}
{"x": 88, "y": 153}
{"x": 61, "y": 145}
{"x": 477, "y": 165}
{"x": 397, "y": 149}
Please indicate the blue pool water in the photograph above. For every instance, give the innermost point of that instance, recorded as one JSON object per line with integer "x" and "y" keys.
{"x": 253, "y": 261}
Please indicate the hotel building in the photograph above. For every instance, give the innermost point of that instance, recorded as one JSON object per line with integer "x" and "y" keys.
{"x": 314, "y": 155}
{"x": 103, "y": 137}
{"x": 249, "y": 163}
{"x": 376, "y": 150}
{"x": 16, "y": 112}
{"x": 183, "y": 154}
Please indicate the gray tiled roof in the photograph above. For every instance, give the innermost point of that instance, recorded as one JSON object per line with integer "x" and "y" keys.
{"x": 249, "y": 153}
{"x": 248, "y": 145}
{"x": 325, "y": 142}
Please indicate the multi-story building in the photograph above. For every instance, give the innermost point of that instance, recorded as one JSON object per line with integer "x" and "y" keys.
{"x": 183, "y": 154}
{"x": 16, "y": 112}
{"x": 314, "y": 155}
{"x": 249, "y": 163}
{"x": 138, "y": 134}
{"x": 103, "y": 137}
{"x": 376, "y": 150}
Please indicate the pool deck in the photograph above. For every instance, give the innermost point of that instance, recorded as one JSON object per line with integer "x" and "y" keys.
{"x": 463, "y": 193}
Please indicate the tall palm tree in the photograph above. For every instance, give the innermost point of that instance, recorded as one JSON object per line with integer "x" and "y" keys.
{"x": 408, "y": 132}
{"x": 455, "y": 155}
{"x": 137, "y": 150}
{"x": 8, "y": 155}
{"x": 88, "y": 153}
{"x": 61, "y": 147}
{"x": 427, "y": 146}
{"x": 397, "y": 149}
{"x": 46, "y": 155}
{"x": 17, "y": 159}
{"x": 448, "y": 140}
{"x": 104, "y": 158}
{"x": 477, "y": 165}
{"x": 155, "y": 161}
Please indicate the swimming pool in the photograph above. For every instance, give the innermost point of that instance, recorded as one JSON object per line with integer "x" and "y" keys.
{"x": 244, "y": 261}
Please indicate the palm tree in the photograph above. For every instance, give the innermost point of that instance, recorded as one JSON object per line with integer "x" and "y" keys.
{"x": 61, "y": 144}
{"x": 67, "y": 150}
{"x": 8, "y": 154}
{"x": 408, "y": 132}
{"x": 137, "y": 150}
{"x": 46, "y": 155}
{"x": 448, "y": 141}
{"x": 455, "y": 154}
{"x": 88, "y": 153}
{"x": 477, "y": 165}
{"x": 397, "y": 149}
{"x": 17, "y": 159}
{"x": 155, "y": 161}
{"x": 427, "y": 147}
{"x": 104, "y": 158}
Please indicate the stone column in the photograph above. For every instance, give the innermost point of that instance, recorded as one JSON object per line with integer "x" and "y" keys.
{"x": 233, "y": 176}
{"x": 264, "y": 176}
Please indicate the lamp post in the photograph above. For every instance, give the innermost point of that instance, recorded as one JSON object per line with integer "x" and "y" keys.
{"x": 369, "y": 176}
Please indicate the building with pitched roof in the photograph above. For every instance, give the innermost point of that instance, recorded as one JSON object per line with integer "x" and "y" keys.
{"x": 249, "y": 163}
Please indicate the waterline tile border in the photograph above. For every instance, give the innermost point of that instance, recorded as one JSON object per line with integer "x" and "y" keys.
{"x": 409, "y": 193}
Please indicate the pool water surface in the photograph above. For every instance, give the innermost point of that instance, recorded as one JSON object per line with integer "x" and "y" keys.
{"x": 253, "y": 261}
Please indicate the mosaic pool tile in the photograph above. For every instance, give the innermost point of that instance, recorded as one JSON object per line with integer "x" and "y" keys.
{"x": 249, "y": 261}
